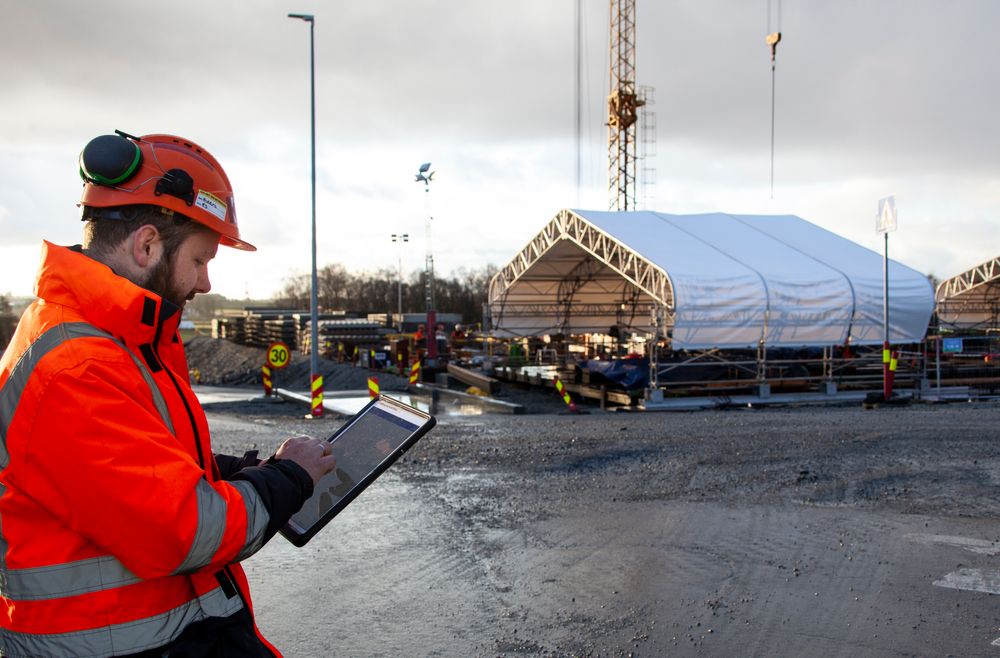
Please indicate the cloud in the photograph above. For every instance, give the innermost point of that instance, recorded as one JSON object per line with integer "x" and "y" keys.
{"x": 871, "y": 98}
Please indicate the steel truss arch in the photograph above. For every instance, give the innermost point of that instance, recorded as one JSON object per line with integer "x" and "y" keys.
{"x": 971, "y": 300}
{"x": 567, "y": 225}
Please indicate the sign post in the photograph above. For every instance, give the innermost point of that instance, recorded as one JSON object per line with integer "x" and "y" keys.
{"x": 885, "y": 222}
{"x": 278, "y": 356}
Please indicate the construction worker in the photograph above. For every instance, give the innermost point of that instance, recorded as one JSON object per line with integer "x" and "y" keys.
{"x": 441, "y": 338}
{"x": 457, "y": 338}
{"x": 121, "y": 532}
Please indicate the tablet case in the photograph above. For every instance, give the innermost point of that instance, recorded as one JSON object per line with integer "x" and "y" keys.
{"x": 357, "y": 451}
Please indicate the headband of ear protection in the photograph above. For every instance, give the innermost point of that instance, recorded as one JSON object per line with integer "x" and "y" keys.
{"x": 113, "y": 159}
{"x": 110, "y": 159}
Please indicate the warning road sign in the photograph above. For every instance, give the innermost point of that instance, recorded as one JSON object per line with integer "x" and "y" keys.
{"x": 886, "y": 219}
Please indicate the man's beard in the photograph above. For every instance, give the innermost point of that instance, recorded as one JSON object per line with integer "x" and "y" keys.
{"x": 159, "y": 282}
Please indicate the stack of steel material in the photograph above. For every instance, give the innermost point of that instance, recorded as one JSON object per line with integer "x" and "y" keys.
{"x": 345, "y": 334}
{"x": 265, "y": 326}
{"x": 303, "y": 327}
{"x": 282, "y": 329}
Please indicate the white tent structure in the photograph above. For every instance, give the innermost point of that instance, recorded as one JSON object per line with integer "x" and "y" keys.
{"x": 707, "y": 281}
{"x": 971, "y": 300}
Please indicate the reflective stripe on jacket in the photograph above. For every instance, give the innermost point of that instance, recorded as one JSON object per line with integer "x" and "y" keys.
{"x": 115, "y": 531}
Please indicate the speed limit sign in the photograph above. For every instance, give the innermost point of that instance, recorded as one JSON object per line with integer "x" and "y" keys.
{"x": 278, "y": 355}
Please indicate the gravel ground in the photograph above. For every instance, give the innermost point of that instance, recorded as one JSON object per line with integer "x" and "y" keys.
{"x": 813, "y": 531}
{"x": 649, "y": 534}
{"x": 920, "y": 458}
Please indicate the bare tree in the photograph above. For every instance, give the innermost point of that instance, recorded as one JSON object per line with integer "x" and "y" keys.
{"x": 377, "y": 292}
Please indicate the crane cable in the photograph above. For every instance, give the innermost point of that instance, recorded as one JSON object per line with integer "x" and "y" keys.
{"x": 772, "y": 40}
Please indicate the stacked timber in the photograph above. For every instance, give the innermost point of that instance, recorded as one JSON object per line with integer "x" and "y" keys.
{"x": 230, "y": 328}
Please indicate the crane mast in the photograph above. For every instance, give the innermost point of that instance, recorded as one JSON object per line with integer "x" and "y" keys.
{"x": 623, "y": 108}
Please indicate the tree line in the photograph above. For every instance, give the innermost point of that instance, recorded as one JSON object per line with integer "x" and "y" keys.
{"x": 8, "y": 321}
{"x": 463, "y": 293}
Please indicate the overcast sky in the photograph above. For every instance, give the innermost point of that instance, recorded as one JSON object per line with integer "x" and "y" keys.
{"x": 873, "y": 97}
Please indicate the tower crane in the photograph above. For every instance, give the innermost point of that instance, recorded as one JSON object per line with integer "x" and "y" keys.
{"x": 623, "y": 108}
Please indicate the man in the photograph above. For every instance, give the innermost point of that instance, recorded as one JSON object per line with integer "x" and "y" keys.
{"x": 120, "y": 532}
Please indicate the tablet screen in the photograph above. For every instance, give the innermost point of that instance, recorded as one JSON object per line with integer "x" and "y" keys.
{"x": 372, "y": 437}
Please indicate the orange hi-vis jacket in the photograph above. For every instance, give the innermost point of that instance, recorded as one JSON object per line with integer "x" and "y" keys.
{"x": 116, "y": 529}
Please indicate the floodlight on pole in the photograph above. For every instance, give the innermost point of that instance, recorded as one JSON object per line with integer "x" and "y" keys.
{"x": 315, "y": 379}
{"x": 425, "y": 176}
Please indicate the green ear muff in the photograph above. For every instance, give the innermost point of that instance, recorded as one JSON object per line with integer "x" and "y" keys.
{"x": 109, "y": 160}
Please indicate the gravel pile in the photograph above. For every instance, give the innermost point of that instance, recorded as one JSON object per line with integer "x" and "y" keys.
{"x": 217, "y": 362}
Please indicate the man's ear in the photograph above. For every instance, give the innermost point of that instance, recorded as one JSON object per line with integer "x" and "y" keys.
{"x": 147, "y": 247}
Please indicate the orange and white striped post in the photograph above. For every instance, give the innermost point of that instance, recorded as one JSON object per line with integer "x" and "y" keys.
{"x": 415, "y": 372}
{"x": 373, "y": 391}
{"x": 265, "y": 376}
{"x": 317, "y": 396}
{"x": 565, "y": 394}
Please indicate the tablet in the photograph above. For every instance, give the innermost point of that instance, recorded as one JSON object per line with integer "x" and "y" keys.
{"x": 365, "y": 447}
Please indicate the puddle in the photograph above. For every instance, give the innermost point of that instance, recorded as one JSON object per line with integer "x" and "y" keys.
{"x": 434, "y": 401}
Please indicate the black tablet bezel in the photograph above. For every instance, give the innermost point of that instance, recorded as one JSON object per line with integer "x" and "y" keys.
{"x": 301, "y": 538}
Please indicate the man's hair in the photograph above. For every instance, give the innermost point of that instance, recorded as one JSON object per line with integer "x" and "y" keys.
{"x": 107, "y": 228}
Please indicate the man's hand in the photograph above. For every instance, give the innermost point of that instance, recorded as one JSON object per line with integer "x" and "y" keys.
{"x": 314, "y": 455}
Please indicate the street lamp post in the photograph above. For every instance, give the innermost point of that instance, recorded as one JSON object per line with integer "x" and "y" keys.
{"x": 400, "y": 238}
{"x": 315, "y": 379}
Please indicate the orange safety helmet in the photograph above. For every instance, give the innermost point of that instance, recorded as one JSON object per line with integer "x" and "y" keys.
{"x": 160, "y": 170}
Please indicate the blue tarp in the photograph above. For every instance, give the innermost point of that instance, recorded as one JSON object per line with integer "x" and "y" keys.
{"x": 628, "y": 373}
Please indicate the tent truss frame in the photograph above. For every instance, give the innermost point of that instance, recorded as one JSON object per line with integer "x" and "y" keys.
{"x": 971, "y": 299}
{"x": 607, "y": 252}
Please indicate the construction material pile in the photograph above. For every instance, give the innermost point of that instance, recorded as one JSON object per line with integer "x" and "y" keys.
{"x": 260, "y": 327}
{"x": 338, "y": 334}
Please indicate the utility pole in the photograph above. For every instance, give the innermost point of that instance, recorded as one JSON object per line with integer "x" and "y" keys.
{"x": 577, "y": 89}
{"x": 400, "y": 238}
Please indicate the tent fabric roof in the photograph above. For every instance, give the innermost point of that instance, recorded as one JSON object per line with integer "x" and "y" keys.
{"x": 737, "y": 279}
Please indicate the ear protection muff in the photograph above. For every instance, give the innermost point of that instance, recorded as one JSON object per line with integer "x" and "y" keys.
{"x": 110, "y": 159}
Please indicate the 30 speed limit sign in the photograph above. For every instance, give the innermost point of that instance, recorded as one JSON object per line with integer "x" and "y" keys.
{"x": 278, "y": 355}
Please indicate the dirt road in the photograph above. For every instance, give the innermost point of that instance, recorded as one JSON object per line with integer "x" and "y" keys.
{"x": 771, "y": 532}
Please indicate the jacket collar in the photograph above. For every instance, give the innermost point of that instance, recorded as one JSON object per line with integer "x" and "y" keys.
{"x": 71, "y": 278}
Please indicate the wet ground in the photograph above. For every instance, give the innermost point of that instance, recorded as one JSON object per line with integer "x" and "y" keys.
{"x": 774, "y": 532}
